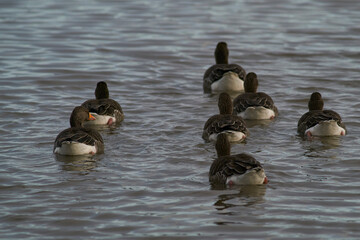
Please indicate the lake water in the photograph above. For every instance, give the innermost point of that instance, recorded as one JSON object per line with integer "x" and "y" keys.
{"x": 152, "y": 180}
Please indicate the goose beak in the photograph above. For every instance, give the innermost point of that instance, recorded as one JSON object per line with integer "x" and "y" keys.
{"x": 91, "y": 117}
{"x": 265, "y": 180}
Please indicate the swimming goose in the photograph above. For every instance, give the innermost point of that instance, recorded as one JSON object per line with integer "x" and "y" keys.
{"x": 239, "y": 169}
{"x": 223, "y": 77}
{"x": 225, "y": 122}
{"x": 252, "y": 104}
{"x": 78, "y": 140}
{"x": 104, "y": 109}
{"x": 319, "y": 122}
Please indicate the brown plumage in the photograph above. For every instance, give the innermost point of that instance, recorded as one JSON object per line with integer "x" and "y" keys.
{"x": 226, "y": 165}
{"x": 252, "y": 98}
{"x": 224, "y": 121}
{"x": 317, "y": 114}
{"x": 77, "y": 133}
{"x": 103, "y": 105}
{"x": 215, "y": 72}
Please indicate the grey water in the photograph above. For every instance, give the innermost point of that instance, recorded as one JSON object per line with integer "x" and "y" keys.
{"x": 152, "y": 180}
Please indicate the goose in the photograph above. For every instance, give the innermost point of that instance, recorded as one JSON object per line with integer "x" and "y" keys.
{"x": 225, "y": 122}
{"x": 319, "y": 122}
{"x": 239, "y": 169}
{"x": 252, "y": 104}
{"x": 223, "y": 77}
{"x": 104, "y": 109}
{"x": 78, "y": 140}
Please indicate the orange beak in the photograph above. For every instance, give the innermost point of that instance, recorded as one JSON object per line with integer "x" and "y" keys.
{"x": 265, "y": 180}
{"x": 91, "y": 117}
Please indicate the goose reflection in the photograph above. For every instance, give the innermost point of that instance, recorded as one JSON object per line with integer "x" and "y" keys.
{"x": 331, "y": 141}
{"x": 319, "y": 144}
{"x": 108, "y": 129}
{"x": 232, "y": 95}
{"x": 246, "y": 196}
{"x": 81, "y": 163}
{"x": 253, "y": 123}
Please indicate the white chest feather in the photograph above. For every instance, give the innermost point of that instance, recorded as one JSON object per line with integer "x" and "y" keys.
{"x": 251, "y": 177}
{"x": 229, "y": 82}
{"x": 233, "y": 136}
{"x": 75, "y": 148}
{"x": 326, "y": 128}
{"x": 259, "y": 113}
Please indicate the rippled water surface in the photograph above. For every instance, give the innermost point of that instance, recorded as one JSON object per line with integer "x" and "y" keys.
{"x": 151, "y": 182}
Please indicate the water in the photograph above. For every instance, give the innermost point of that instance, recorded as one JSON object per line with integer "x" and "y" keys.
{"x": 151, "y": 182}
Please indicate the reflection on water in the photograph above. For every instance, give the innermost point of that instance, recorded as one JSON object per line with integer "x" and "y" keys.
{"x": 331, "y": 141}
{"x": 253, "y": 123}
{"x": 215, "y": 95}
{"x": 317, "y": 145}
{"x": 82, "y": 163}
{"x": 108, "y": 129}
{"x": 246, "y": 196}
